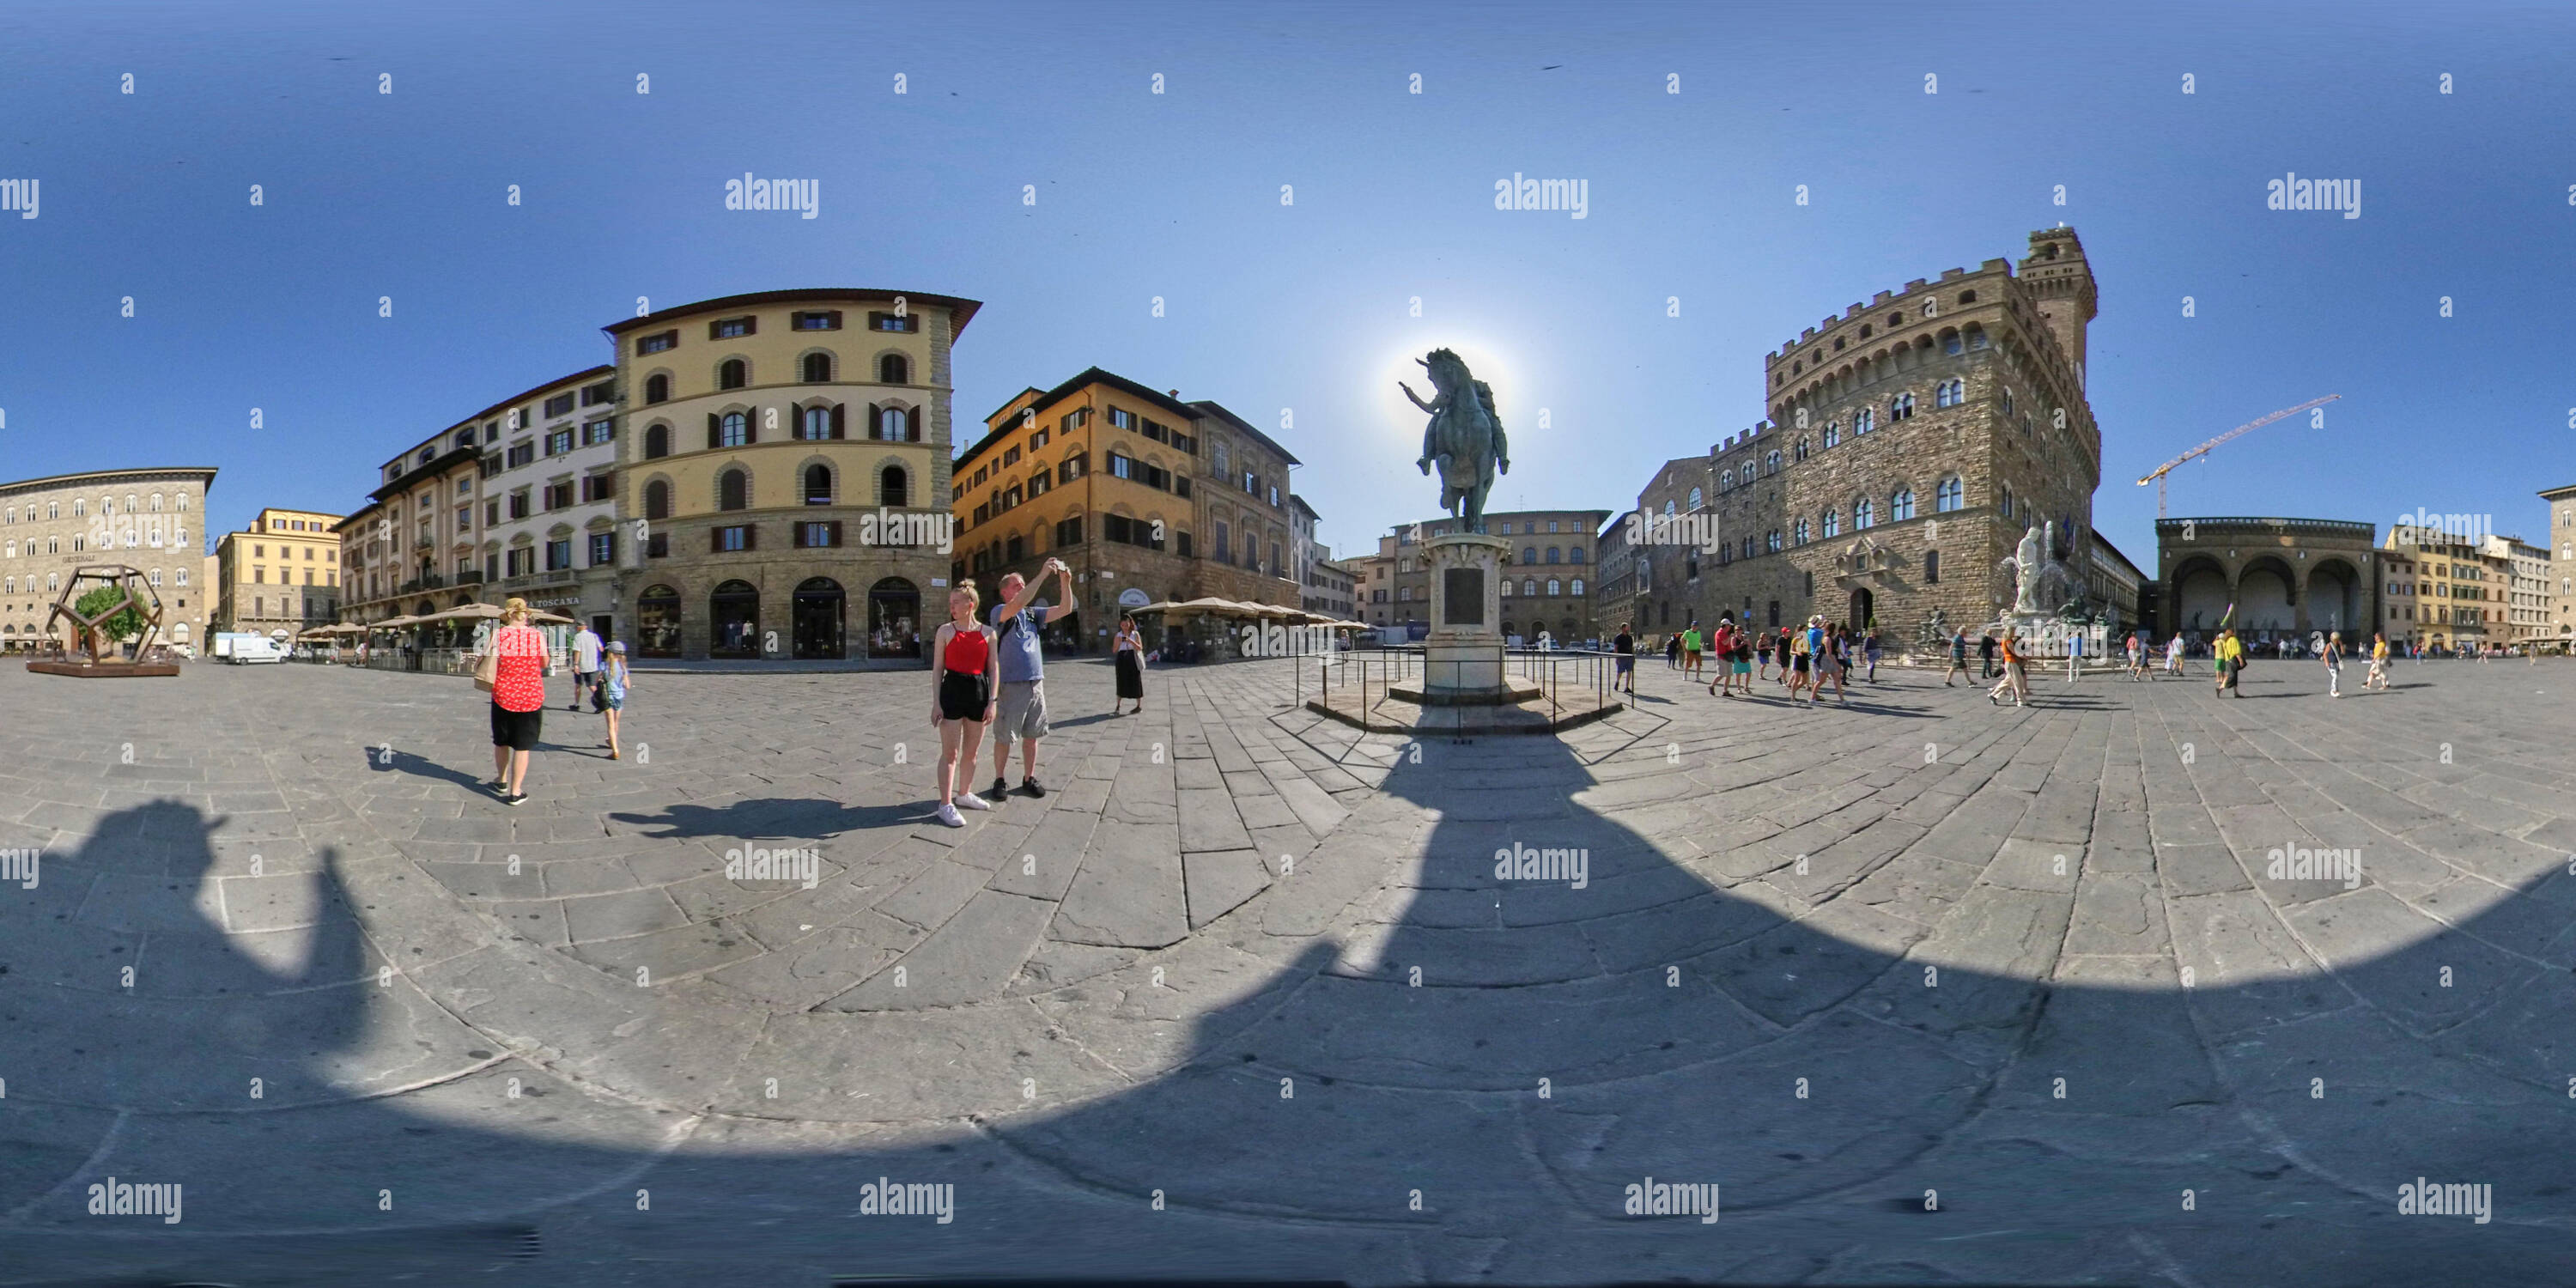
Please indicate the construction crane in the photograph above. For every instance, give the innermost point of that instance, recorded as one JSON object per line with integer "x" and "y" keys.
{"x": 2158, "y": 476}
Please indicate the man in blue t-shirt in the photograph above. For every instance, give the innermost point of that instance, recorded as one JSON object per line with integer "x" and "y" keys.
{"x": 1016, "y": 622}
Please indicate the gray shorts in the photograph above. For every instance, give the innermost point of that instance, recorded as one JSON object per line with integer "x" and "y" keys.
{"x": 1023, "y": 713}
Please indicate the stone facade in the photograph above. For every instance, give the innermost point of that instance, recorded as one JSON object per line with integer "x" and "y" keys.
{"x": 148, "y": 518}
{"x": 2560, "y": 580}
{"x": 1910, "y": 441}
{"x": 2287, "y": 578}
{"x": 1549, "y": 568}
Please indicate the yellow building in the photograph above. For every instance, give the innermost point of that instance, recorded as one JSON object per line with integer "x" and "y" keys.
{"x": 782, "y": 453}
{"x": 1147, "y": 497}
{"x": 2459, "y": 589}
{"x": 282, "y": 573}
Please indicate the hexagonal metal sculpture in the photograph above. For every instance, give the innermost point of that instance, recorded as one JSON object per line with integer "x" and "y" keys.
{"x": 83, "y": 651}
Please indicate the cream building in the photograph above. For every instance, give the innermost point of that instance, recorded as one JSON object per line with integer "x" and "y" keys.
{"x": 281, "y": 574}
{"x": 411, "y": 549}
{"x": 783, "y": 473}
{"x": 2524, "y": 570}
{"x": 147, "y": 519}
{"x": 547, "y": 530}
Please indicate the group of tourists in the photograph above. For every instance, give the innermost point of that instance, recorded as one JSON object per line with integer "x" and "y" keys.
{"x": 1807, "y": 658}
{"x": 513, "y": 668}
{"x": 994, "y": 674}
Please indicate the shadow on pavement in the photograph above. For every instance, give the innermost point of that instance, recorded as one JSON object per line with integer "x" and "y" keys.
{"x": 1463, "y": 1089}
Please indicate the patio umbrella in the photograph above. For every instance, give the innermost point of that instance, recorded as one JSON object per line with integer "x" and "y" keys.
{"x": 392, "y": 623}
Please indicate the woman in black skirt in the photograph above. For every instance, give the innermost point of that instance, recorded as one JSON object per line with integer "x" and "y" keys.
{"x": 1130, "y": 654}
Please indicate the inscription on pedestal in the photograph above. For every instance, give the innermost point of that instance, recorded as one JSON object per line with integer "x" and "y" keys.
{"x": 1463, "y": 597}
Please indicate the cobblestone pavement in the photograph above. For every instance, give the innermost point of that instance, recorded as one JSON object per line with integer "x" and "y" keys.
{"x": 1934, "y": 991}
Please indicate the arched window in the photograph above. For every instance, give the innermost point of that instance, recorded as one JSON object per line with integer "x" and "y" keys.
{"x": 1931, "y": 567}
{"x": 1951, "y": 344}
{"x": 1574, "y": 554}
{"x": 814, "y": 424}
{"x": 1833, "y": 433}
{"x": 1833, "y": 524}
{"x": 1507, "y": 593}
{"x": 894, "y": 487}
{"x": 732, "y": 373}
{"x": 1900, "y": 507}
{"x": 894, "y": 369}
{"x": 657, "y": 442}
{"x": 1552, "y": 554}
{"x": 817, "y": 368}
{"x": 1949, "y": 495}
{"x": 1578, "y": 588}
{"x": 657, "y": 388}
{"x": 1799, "y": 532}
{"x": 1949, "y": 393}
{"x": 1529, "y": 585}
{"x": 1771, "y": 541}
{"x": 1529, "y": 554}
{"x": 156, "y": 503}
{"x": 1863, "y": 514}
{"x": 657, "y": 500}
{"x": 733, "y": 429}
{"x": 1865, "y": 420}
{"x": 894, "y": 425}
{"x": 733, "y": 490}
{"x": 1771, "y": 462}
{"x": 1694, "y": 498}
{"x": 1555, "y": 587}
{"x": 818, "y": 484}
{"x": 1725, "y": 483}
{"x": 1900, "y": 407}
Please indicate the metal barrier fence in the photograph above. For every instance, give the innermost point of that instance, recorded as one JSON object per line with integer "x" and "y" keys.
{"x": 1378, "y": 670}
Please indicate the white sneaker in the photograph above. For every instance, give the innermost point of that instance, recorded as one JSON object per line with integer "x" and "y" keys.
{"x": 948, "y": 814}
{"x": 969, "y": 800}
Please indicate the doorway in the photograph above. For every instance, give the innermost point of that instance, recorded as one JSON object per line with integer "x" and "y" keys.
{"x": 817, "y": 619}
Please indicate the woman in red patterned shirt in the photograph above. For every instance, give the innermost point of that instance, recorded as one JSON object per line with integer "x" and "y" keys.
{"x": 518, "y": 700}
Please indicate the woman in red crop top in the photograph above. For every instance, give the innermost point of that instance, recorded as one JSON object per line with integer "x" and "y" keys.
{"x": 962, "y": 685}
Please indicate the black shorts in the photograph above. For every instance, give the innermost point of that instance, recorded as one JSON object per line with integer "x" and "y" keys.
{"x": 963, "y": 696}
{"x": 1798, "y": 662}
{"x": 517, "y": 730}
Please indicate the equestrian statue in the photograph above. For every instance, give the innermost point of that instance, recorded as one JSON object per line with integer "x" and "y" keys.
{"x": 1465, "y": 437}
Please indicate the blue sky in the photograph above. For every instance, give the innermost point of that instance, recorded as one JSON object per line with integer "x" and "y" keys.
{"x": 1303, "y": 307}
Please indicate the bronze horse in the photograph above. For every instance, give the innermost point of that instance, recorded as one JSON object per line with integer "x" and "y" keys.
{"x": 1464, "y": 437}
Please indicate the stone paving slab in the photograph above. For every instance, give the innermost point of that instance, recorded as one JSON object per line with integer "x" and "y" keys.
{"x": 1262, "y": 964}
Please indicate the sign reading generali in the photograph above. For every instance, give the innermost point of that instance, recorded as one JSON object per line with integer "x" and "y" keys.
{"x": 1133, "y": 597}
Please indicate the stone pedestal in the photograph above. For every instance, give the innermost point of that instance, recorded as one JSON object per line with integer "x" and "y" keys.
{"x": 1462, "y": 659}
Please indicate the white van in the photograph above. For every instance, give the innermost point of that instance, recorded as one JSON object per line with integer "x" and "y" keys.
{"x": 256, "y": 648}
